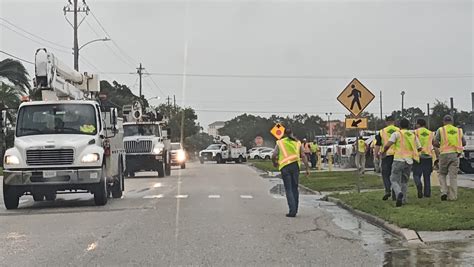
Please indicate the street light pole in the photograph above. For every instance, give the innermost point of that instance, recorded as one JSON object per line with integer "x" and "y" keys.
{"x": 403, "y": 95}
{"x": 329, "y": 122}
{"x": 105, "y": 39}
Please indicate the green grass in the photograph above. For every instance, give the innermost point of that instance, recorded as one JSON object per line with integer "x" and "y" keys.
{"x": 264, "y": 165}
{"x": 426, "y": 214}
{"x": 340, "y": 181}
{"x": 1, "y": 171}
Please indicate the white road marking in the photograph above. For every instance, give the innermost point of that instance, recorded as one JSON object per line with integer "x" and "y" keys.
{"x": 278, "y": 196}
{"x": 214, "y": 196}
{"x": 91, "y": 246}
{"x": 246, "y": 196}
{"x": 157, "y": 185}
{"x": 154, "y": 196}
{"x": 181, "y": 196}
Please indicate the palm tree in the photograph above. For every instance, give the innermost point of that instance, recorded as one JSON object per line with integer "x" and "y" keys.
{"x": 16, "y": 73}
{"x": 9, "y": 96}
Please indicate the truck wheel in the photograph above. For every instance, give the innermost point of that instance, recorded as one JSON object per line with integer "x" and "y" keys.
{"x": 201, "y": 160}
{"x": 51, "y": 196}
{"x": 168, "y": 165}
{"x": 183, "y": 165}
{"x": 219, "y": 159}
{"x": 118, "y": 183}
{"x": 100, "y": 192}
{"x": 37, "y": 196}
{"x": 267, "y": 157}
{"x": 10, "y": 197}
{"x": 465, "y": 166}
{"x": 161, "y": 169}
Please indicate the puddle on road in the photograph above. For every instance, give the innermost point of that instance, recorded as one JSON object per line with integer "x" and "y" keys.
{"x": 390, "y": 250}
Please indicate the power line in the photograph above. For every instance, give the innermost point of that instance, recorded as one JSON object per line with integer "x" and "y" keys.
{"x": 32, "y": 34}
{"x": 156, "y": 85}
{"x": 13, "y": 56}
{"x": 307, "y": 77}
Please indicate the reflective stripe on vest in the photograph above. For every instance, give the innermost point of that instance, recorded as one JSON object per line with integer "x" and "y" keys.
{"x": 405, "y": 146}
{"x": 451, "y": 139}
{"x": 385, "y": 134}
{"x": 289, "y": 152}
{"x": 426, "y": 140}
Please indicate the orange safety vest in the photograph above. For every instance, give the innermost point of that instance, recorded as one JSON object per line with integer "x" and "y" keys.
{"x": 426, "y": 140}
{"x": 405, "y": 147}
{"x": 385, "y": 134}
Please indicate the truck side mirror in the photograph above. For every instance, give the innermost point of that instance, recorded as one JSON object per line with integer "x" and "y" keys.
{"x": 113, "y": 118}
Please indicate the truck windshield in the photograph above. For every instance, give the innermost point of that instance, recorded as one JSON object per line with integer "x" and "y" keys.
{"x": 141, "y": 129}
{"x": 57, "y": 119}
{"x": 175, "y": 146}
{"x": 214, "y": 147}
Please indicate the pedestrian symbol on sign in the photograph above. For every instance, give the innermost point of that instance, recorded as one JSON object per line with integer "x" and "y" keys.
{"x": 356, "y": 95}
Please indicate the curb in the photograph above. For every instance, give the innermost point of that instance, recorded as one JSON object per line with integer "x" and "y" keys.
{"x": 309, "y": 189}
{"x": 411, "y": 236}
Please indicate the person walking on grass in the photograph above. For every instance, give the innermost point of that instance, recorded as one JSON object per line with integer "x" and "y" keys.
{"x": 450, "y": 141}
{"x": 406, "y": 147}
{"x": 287, "y": 156}
{"x": 425, "y": 166}
{"x": 361, "y": 150}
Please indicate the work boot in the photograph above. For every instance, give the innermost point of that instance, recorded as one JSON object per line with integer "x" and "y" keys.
{"x": 291, "y": 215}
{"x": 393, "y": 196}
{"x": 444, "y": 197}
{"x": 420, "y": 192}
{"x": 399, "y": 200}
{"x": 386, "y": 196}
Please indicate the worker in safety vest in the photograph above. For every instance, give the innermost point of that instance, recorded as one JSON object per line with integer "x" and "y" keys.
{"x": 425, "y": 166}
{"x": 376, "y": 159}
{"x": 361, "y": 150}
{"x": 314, "y": 153}
{"x": 406, "y": 147}
{"x": 307, "y": 149}
{"x": 387, "y": 159}
{"x": 450, "y": 141}
{"x": 287, "y": 155}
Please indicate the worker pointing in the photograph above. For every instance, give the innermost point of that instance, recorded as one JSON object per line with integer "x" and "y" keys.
{"x": 450, "y": 141}
{"x": 287, "y": 156}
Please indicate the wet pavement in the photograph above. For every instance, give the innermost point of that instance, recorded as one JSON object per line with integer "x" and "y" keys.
{"x": 390, "y": 250}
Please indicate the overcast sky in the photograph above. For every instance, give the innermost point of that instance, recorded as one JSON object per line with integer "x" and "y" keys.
{"x": 422, "y": 47}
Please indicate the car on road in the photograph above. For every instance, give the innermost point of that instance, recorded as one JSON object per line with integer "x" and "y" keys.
{"x": 178, "y": 155}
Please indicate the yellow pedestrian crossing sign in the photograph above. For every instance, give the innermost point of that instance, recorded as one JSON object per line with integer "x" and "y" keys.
{"x": 355, "y": 97}
{"x": 356, "y": 123}
{"x": 278, "y": 131}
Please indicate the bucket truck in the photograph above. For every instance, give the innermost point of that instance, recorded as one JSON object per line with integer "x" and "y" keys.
{"x": 223, "y": 150}
{"x": 69, "y": 142}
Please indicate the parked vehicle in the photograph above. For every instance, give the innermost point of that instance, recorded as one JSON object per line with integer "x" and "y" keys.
{"x": 466, "y": 163}
{"x": 67, "y": 143}
{"x": 178, "y": 155}
{"x": 224, "y": 151}
{"x": 254, "y": 153}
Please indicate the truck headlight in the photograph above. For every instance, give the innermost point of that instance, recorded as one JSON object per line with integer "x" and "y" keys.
{"x": 157, "y": 150}
{"x": 181, "y": 156}
{"x": 11, "y": 160}
{"x": 90, "y": 158}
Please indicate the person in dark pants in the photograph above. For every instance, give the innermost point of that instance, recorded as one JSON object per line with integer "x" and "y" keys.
{"x": 287, "y": 156}
{"x": 387, "y": 160}
{"x": 425, "y": 166}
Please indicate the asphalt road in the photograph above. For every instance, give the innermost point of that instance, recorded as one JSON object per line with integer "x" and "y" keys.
{"x": 204, "y": 215}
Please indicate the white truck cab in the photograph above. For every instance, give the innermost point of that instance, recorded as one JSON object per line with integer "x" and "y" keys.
{"x": 68, "y": 143}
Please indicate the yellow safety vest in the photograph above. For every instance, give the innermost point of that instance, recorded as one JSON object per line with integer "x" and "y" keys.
{"x": 451, "y": 139}
{"x": 385, "y": 134}
{"x": 361, "y": 146}
{"x": 314, "y": 147}
{"x": 426, "y": 140}
{"x": 289, "y": 152}
{"x": 405, "y": 146}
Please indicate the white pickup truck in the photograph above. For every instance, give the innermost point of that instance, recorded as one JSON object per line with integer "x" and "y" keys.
{"x": 224, "y": 151}
{"x": 467, "y": 161}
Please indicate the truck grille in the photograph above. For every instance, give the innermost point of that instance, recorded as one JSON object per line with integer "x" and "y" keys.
{"x": 144, "y": 146}
{"x": 50, "y": 157}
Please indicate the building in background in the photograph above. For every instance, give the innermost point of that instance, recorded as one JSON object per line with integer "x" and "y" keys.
{"x": 214, "y": 128}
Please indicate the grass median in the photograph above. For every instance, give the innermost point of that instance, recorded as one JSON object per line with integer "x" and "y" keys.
{"x": 426, "y": 214}
{"x": 329, "y": 181}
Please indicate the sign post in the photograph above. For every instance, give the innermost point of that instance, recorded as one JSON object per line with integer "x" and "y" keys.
{"x": 356, "y": 97}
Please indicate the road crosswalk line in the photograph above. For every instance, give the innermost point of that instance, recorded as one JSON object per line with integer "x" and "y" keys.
{"x": 246, "y": 196}
{"x": 181, "y": 196}
{"x": 214, "y": 196}
{"x": 154, "y": 196}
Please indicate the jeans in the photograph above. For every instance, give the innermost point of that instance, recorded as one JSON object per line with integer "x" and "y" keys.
{"x": 290, "y": 175}
{"x": 399, "y": 178}
{"x": 313, "y": 160}
{"x": 386, "y": 172}
{"x": 425, "y": 168}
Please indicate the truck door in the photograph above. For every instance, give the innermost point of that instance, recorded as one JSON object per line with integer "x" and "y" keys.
{"x": 225, "y": 152}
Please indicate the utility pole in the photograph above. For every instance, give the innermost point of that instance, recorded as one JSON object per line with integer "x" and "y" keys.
{"x": 403, "y": 95}
{"x": 73, "y": 7}
{"x": 140, "y": 70}
{"x": 381, "y": 114}
{"x": 174, "y": 100}
{"x": 168, "y": 101}
{"x": 428, "y": 113}
{"x": 451, "y": 100}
